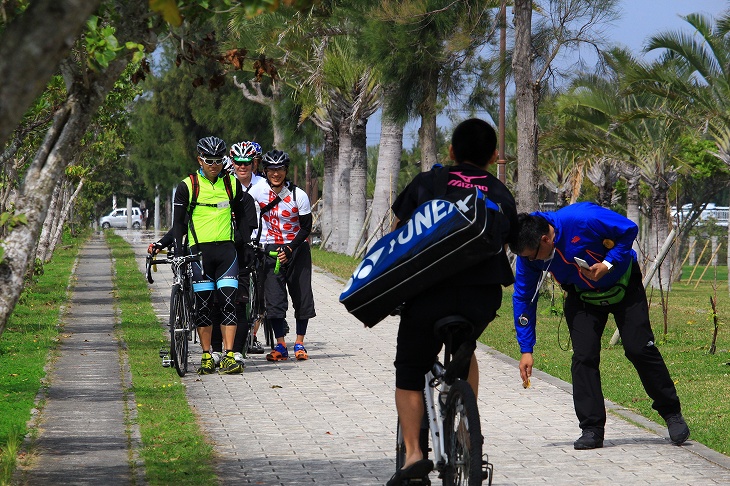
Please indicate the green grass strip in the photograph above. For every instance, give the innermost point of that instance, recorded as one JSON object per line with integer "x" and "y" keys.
{"x": 174, "y": 449}
{"x": 701, "y": 378}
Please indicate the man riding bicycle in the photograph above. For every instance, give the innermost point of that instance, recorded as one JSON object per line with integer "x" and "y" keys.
{"x": 475, "y": 294}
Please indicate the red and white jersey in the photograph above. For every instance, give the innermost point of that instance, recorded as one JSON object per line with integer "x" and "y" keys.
{"x": 280, "y": 224}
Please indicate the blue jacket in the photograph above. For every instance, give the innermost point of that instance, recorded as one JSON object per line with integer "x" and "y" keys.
{"x": 583, "y": 230}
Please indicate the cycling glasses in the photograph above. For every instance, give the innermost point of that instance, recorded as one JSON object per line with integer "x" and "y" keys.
{"x": 211, "y": 160}
{"x": 243, "y": 160}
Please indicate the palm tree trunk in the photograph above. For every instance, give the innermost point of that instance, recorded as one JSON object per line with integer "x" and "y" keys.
{"x": 341, "y": 191}
{"x": 331, "y": 149}
{"x": 358, "y": 183}
{"x": 427, "y": 130}
{"x": 386, "y": 177}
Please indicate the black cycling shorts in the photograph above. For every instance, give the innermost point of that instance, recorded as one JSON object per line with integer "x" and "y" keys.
{"x": 418, "y": 347}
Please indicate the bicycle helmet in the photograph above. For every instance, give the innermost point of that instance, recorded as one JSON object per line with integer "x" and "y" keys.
{"x": 228, "y": 165}
{"x": 273, "y": 159}
{"x": 211, "y": 147}
{"x": 245, "y": 150}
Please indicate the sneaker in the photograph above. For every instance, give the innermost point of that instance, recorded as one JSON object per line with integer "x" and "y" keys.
{"x": 300, "y": 352}
{"x": 678, "y": 430}
{"x": 280, "y": 353}
{"x": 589, "y": 440}
{"x": 256, "y": 347}
{"x": 238, "y": 357}
{"x": 207, "y": 365}
{"x": 217, "y": 357}
{"x": 229, "y": 365}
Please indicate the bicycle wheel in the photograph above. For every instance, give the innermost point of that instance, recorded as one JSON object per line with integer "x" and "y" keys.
{"x": 178, "y": 333}
{"x": 252, "y": 311}
{"x": 462, "y": 437}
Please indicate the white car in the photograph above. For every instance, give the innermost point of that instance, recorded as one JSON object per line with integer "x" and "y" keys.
{"x": 118, "y": 219}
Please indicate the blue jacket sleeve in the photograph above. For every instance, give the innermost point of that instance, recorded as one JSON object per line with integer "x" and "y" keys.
{"x": 524, "y": 302}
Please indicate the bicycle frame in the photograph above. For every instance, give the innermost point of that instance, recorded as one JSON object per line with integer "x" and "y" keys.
{"x": 435, "y": 412}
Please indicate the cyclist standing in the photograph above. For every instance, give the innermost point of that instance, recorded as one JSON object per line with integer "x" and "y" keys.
{"x": 244, "y": 159}
{"x": 204, "y": 209}
{"x": 476, "y": 293}
{"x": 287, "y": 222}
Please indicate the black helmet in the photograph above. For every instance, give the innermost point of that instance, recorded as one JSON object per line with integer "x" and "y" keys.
{"x": 211, "y": 147}
{"x": 273, "y": 159}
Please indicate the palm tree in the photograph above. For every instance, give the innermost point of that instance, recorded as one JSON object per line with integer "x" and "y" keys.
{"x": 633, "y": 128}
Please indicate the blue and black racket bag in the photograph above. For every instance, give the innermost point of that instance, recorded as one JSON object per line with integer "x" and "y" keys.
{"x": 444, "y": 236}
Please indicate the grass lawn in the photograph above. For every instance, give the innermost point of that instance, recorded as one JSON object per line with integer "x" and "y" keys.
{"x": 702, "y": 379}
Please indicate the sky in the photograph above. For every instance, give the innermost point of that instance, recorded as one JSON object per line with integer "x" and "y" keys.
{"x": 639, "y": 20}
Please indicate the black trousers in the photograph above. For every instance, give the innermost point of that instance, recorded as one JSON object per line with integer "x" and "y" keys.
{"x": 586, "y": 323}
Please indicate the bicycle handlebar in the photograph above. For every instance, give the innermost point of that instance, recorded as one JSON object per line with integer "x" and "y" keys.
{"x": 277, "y": 266}
{"x": 151, "y": 261}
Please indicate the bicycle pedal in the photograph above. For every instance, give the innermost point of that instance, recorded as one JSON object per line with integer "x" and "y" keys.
{"x": 163, "y": 352}
{"x": 166, "y": 362}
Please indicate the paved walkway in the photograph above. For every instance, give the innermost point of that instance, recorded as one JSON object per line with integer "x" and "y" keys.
{"x": 331, "y": 420}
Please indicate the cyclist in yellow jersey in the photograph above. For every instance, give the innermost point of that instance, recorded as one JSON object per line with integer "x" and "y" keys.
{"x": 216, "y": 214}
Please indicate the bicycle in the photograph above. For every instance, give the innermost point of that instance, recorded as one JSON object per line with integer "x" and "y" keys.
{"x": 452, "y": 416}
{"x": 256, "y": 306}
{"x": 182, "y": 308}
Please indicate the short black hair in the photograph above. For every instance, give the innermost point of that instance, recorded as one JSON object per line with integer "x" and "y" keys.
{"x": 530, "y": 228}
{"x": 474, "y": 140}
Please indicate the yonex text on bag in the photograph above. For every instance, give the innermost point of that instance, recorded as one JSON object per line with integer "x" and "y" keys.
{"x": 443, "y": 237}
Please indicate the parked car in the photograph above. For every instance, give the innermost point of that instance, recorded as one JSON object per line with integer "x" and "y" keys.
{"x": 118, "y": 219}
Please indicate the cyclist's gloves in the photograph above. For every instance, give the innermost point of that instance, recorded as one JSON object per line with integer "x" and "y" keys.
{"x": 287, "y": 251}
{"x": 154, "y": 248}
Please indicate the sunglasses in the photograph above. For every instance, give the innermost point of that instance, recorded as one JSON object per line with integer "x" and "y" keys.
{"x": 211, "y": 161}
{"x": 242, "y": 160}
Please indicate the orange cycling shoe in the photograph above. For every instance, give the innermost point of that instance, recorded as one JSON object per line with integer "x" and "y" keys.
{"x": 280, "y": 353}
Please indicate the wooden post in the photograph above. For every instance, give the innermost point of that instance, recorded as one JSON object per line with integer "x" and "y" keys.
{"x": 708, "y": 264}
{"x": 698, "y": 261}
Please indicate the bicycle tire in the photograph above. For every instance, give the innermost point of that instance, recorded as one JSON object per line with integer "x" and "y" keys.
{"x": 252, "y": 311}
{"x": 178, "y": 334}
{"x": 462, "y": 437}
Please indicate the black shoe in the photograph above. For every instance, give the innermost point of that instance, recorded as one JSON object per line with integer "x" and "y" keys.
{"x": 256, "y": 348}
{"x": 589, "y": 440}
{"x": 678, "y": 430}
{"x": 417, "y": 470}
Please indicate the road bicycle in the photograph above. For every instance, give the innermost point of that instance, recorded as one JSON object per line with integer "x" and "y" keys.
{"x": 452, "y": 416}
{"x": 256, "y": 306}
{"x": 182, "y": 309}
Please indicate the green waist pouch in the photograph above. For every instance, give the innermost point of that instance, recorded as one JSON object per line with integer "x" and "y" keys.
{"x": 610, "y": 296}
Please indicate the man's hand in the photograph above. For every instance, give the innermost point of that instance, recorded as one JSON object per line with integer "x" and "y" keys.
{"x": 526, "y": 363}
{"x": 284, "y": 254}
{"x": 154, "y": 248}
{"x": 596, "y": 272}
